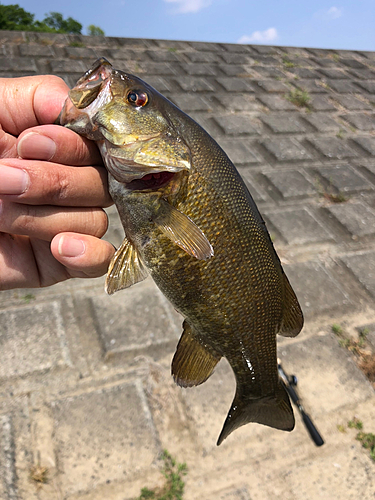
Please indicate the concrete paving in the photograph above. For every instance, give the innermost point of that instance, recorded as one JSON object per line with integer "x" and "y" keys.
{"x": 86, "y": 390}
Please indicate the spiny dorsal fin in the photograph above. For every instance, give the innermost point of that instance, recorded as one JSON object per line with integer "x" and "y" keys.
{"x": 125, "y": 269}
{"x": 193, "y": 362}
{"x": 183, "y": 232}
{"x": 292, "y": 321}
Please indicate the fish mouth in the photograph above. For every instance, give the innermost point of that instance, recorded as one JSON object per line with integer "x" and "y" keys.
{"x": 151, "y": 182}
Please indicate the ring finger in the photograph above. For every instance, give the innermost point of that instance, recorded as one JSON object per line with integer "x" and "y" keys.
{"x": 44, "y": 222}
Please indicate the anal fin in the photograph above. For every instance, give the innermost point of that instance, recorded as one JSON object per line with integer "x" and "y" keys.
{"x": 125, "y": 269}
{"x": 193, "y": 362}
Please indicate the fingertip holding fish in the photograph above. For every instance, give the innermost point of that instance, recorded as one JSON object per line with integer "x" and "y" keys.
{"x": 69, "y": 246}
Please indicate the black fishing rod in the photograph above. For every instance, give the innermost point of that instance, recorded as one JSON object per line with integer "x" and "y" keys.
{"x": 290, "y": 384}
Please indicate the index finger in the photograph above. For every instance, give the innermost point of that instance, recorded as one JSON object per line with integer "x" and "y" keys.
{"x": 57, "y": 144}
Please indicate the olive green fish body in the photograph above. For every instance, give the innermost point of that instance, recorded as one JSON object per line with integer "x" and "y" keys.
{"x": 203, "y": 241}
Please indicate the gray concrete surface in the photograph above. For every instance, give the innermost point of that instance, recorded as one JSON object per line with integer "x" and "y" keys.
{"x": 85, "y": 385}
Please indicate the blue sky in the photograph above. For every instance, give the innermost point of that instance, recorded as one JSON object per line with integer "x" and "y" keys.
{"x": 318, "y": 23}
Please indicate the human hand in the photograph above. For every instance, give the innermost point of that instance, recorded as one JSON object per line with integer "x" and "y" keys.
{"x": 50, "y": 194}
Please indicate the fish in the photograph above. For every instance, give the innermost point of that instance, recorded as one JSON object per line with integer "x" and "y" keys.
{"x": 191, "y": 223}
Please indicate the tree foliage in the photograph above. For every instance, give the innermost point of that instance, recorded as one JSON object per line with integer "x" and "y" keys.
{"x": 14, "y": 17}
{"x": 94, "y": 30}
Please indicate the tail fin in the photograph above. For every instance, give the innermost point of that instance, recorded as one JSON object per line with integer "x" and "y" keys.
{"x": 274, "y": 411}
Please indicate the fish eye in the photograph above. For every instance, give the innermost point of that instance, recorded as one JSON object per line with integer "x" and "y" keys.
{"x": 137, "y": 99}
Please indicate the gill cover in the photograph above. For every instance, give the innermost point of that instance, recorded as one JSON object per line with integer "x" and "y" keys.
{"x": 120, "y": 113}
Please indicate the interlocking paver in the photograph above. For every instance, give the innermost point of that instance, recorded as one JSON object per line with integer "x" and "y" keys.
{"x": 238, "y": 102}
{"x": 345, "y": 179}
{"x": 18, "y": 63}
{"x": 188, "y": 102}
{"x": 322, "y": 122}
{"x": 159, "y": 83}
{"x": 361, "y": 121}
{"x": 311, "y": 86}
{"x": 304, "y": 72}
{"x": 199, "y": 69}
{"x": 321, "y": 103}
{"x": 202, "y": 57}
{"x": 276, "y": 103}
{"x": 239, "y": 152}
{"x": 81, "y": 52}
{"x": 235, "y": 84}
{"x": 234, "y": 69}
{"x": 351, "y": 102}
{"x": 36, "y": 50}
{"x": 68, "y": 66}
{"x": 235, "y": 58}
{"x": 367, "y": 143}
{"x": 236, "y": 125}
{"x": 356, "y": 218}
{"x": 333, "y": 147}
{"x": 249, "y": 181}
{"x": 298, "y": 227}
{"x": 342, "y": 86}
{"x": 272, "y": 86}
{"x": 369, "y": 86}
{"x": 291, "y": 184}
{"x": 284, "y": 124}
{"x": 353, "y": 63}
{"x": 316, "y": 288}
{"x": 138, "y": 319}
{"x": 362, "y": 265}
{"x": 285, "y": 149}
{"x": 33, "y": 348}
{"x": 95, "y": 428}
{"x": 194, "y": 84}
{"x": 334, "y": 73}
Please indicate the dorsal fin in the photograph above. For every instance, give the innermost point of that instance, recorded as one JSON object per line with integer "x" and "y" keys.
{"x": 193, "y": 362}
{"x": 125, "y": 269}
{"x": 292, "y": 321}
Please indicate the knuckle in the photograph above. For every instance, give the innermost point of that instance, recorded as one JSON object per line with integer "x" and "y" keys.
{"x": 100, "y": 222}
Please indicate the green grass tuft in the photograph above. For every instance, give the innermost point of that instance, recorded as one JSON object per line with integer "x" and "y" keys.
{"x": 173, "y": 488}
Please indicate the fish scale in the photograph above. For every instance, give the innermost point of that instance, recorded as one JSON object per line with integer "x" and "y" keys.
{"x": 198, "y": 233}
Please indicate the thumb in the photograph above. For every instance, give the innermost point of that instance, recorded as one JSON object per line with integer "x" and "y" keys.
{"x": 30, "y": 101}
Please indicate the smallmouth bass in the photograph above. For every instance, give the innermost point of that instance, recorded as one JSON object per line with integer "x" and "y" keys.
{"x": 191, "y": 224}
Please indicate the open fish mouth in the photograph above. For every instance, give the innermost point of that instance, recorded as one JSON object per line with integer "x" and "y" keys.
{"x": 150, "y": 182}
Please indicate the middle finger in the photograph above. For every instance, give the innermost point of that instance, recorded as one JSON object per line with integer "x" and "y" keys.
{"x": 35, "y": 182}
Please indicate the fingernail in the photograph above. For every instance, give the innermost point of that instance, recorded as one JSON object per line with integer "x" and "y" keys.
{"x": 70, "y": 247}
{"x": 36, "y": 147}
{"x": 13, "y": 180}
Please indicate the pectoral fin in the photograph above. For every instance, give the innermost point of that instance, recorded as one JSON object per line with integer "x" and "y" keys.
{"x": 125, "y": 269}
{"x": 183, "y": 232}
{"x": 193, "y": 362}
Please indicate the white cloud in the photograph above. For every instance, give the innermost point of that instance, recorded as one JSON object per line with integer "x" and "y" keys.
{"x": 265, "y": 36}
{"x": 334, "y": 13}
{"x": 328, "y": 15}
{"x": 188, "y": 6}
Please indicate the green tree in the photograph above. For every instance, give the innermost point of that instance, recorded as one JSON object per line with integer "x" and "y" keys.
{"x": 56, "y": 21}
{"x": 94, "y": 30}
{"x": 14, "y": 17}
